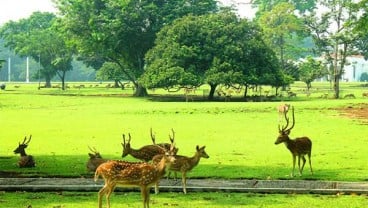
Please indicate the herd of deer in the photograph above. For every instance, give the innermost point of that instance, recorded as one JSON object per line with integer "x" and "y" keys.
{"x": 155, "y": 159}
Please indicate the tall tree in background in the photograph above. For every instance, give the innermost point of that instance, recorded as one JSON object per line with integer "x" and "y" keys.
{"x": 122, "y": 31}
{"x": 279, "y": 25}
{"x": 333, "y": 34}
{"x": 267, "y": 5}
{"x": 36, "y": 37}
{"x": 210, "y": 49}
{"x": 361, "y": 27}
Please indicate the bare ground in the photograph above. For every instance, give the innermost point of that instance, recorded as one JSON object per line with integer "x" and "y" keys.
{"x": 356, "y": 112}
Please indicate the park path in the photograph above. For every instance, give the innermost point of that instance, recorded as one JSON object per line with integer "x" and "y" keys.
{"x": 199, "y": 185}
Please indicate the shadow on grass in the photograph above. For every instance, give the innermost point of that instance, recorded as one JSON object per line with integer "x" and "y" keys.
{"x": 75, "y": 166}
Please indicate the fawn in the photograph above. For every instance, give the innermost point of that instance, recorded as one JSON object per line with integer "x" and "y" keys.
{"x": 141, "y": 174}
{"x": 95, "y": 160}
{"x": 298, "y": 147}
{"x": 25, "y": 161}
{"x": 183, "y": 164}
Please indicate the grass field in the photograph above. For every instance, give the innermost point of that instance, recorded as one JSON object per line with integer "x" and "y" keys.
{"x": 239, "y": 137}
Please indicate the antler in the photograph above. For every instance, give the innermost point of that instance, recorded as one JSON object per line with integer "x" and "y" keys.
{"x": 94, "y": 150}
{"x": 25, "y": 141}
{"x": 285, "y": 128}
{"x": 173, "y": 136}
{"x": 153, "y": 137}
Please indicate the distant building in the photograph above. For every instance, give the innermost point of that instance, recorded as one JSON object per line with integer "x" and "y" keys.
{"x": 355, "y": 67}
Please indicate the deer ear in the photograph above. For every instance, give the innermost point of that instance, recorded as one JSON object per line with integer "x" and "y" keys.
{"x": 287, "y": 132}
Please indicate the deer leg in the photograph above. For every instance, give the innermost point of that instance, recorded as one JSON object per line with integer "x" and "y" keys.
{"x": 100, "y": 195}
{"x": 184, "y": 181}
{"x": 156, "y": 188}
{"x": 145, "y": 196}
{"x": 301, "y": 169}
{"x": 294, "y": 158}
{"x": 109, "y": 190}
{"x": 310, "y": 162}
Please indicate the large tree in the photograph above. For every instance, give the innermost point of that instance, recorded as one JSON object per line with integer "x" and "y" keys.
{"x": 333, "y": 34}
{"x": 38, "y": 38}
{"x": 210, "y": 49}
{"x": 122, "y": 31}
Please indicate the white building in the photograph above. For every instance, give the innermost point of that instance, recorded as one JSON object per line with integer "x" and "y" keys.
{"x": 355, "y": 67}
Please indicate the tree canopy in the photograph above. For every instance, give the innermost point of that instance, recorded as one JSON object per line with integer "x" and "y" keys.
{"x": 210, "y": 49}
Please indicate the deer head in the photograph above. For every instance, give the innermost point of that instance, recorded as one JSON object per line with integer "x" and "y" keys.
{"x": 22, "y": 146}
{"x": 284, "y": 131}
{"x": 94, "y": 154}
{"x": 126, "y": 146}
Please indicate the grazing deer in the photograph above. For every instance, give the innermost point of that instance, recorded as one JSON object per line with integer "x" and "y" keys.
{"x": 298, "y": 147}
{"x": 95, "y": 160}
{"x": 365, "y": 94}
{"x": 25, "y": 161}
{"x": 166, "y": 146}
{"x": 183, "y": 164}
{"x": 145, "y": 153}
{"x": 141, "y": 174}
{"x": 283, "y": 109}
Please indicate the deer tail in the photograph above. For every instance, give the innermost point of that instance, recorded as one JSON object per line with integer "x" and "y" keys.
{"x": 97, "y": 174}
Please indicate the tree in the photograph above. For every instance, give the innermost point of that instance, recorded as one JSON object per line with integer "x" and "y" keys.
{"x": 121, "y": 31}
{"x": 362, "y": 27}
{"x": 333, "y": 35}
{"x": 209, "y": 49}
{"x": 37, "y": 37}
{"x": 279, "y": 24}
{"x": 267, "y": 5}
{"x": 364, "y": 77}
{"x": 310, "y": 70}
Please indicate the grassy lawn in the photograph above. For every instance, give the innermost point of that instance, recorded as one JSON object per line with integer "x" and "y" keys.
{"x": 195, "y": 200}
{"x": 239, "y": 136}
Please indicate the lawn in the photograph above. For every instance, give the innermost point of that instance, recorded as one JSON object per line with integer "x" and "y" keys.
{"x": 239, "y": 137}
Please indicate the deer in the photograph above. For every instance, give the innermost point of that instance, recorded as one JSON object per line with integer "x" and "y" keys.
{"x": 145, "y": 153}
{"x": 25, "y": 161}
{"x": 141, "y": 174}
{"x": 183, "y": 164}
{"x": 95, "y": 160}
{"x": 299, "y": 147}
{"x": 282, "y": 109}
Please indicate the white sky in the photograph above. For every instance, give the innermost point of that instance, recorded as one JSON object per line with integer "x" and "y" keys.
{"x": 18, "y": 9}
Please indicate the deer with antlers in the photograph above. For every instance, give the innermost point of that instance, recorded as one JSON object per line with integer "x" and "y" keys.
{"x": 95, "y": 160}
{"x": 141, "y": 174}
{"x": 145, "y": 153}
{"x": 25, "y": 161}
{"x": 166, "y": 146}
{"x": 299, "y": 147}
{"x": 183, "y": 164}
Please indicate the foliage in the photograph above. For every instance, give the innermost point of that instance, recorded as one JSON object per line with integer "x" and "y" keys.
{"x": 122, "y": 31}
{"x": 334, "y": 43}
{"x": 280, "y": 25}
{"x": 38, "y": 38}
{"x": 267, "y": 5}
{"x": 210, "y": 49}
{"x": 310, "y": 70}
{"x": 364, "y": 77}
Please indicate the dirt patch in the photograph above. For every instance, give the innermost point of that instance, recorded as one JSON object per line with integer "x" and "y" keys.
{"x": 356, "y": 111}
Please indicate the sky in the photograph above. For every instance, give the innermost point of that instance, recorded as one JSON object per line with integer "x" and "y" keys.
{"x": 18, "y": 9}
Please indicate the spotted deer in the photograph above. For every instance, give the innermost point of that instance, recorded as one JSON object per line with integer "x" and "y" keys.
{"x": 299, "y": 147}
{"x": 145, "y": 153}
{"x": 25, "y": 161}
{"x": 95, "y": 160}
{"x": 122, "y": 173}
{"x": 183, "y": 164}
{"x": 282, "y": 109}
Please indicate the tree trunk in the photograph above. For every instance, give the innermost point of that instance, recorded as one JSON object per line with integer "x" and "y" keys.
{"x": 336, "y": 73}
{"x": 212, "y": 91}
{"x": 140, "y": 91}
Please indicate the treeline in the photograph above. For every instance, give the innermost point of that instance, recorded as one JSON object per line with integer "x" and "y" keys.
{"x": 185, "y": 44}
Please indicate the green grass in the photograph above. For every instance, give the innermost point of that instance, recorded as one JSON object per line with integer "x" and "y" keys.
{"x": 239, "y": 136}
{"x": 195, "y": 200}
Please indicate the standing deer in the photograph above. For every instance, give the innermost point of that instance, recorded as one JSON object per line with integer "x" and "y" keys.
{"x": 183, "y": 164}
{"x": 25, "y": 161}
{"x": 95, "y": 160}
{"x": 141, "y": 174}
{"x": 145, "y": 153}
{"x": 282, "y": 110}
{"x": 298, "y": 147}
